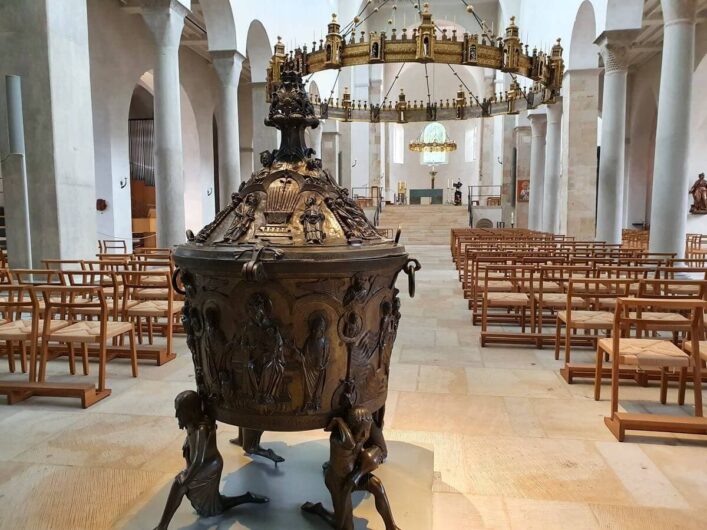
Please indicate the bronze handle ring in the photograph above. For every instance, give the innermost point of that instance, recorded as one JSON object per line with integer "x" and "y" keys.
{"x": 175, "y": 284}
{"x": 410, "y": 268}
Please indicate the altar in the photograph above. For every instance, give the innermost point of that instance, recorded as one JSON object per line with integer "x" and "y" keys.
{"x": 436, "y": 196}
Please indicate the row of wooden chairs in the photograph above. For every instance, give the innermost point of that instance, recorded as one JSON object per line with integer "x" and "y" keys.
{"x": 597, "y": 294}
{"x": 54, "y": 309}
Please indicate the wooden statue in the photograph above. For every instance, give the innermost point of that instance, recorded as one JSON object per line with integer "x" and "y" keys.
{"x": 699, "y": 195}
{"x": 199, "y": 482}
{"x": 354, "y": 456}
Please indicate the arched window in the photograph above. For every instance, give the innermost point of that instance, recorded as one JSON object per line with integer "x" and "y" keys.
{"x": 398, "y": 143}
{"x": 434, "y": 132}
{"x": 470, "y": 145}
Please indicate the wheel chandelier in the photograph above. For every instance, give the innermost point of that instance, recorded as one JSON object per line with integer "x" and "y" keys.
{"x": 428, "y": 44}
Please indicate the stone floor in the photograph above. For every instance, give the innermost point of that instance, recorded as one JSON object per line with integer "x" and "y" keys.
{"x": 514, "y": 445}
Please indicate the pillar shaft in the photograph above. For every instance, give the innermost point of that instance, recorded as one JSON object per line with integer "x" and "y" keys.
{"x": 669, "y": 202}
{"x": 166, "y": 22}
{"x": 579, "y": 153}
{"x": 538, "y": 126}
{"x": 613, "y": 136}
{"x": 551, "y": 189}
{"x": 228, "y": 68}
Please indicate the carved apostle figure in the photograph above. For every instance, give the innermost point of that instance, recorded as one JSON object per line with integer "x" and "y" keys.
{"x": 312, "y": 220}
{"x": 263, "y": 344}
{"x": 199, "y": 481}
{"x": 243, "y": 218}
{"x": 352, "y": 460}
{"x": 215, "y": 349}
{"x": 699, "y": 195}
{"x": 315, "y": 358}
{"x": 385, "y": 334}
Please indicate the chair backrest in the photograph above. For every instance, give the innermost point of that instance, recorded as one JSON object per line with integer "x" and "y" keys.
{"x": 143, "y": 281}
{"x": 72, "y": 302}
{"x": 37, "y": 276}
{"x": 151, "y": 264}
{"x": 631, "y": 312}
{"x": 114, "y": 265}
{"x": 108, "y": 256}
{"x": 114, "y": 246}
{"x": 16, "y": 301}
{"x": 61, "y": 264}
{"x": 672, "y": 289}
{"x": 597, "y": 291}
{"x": 100, "y": 278}
{"x": 152, "y": 251}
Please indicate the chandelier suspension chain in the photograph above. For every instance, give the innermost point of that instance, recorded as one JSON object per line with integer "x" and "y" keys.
{"x": 488, "y": 35}
{"x": 348, "y": 26}
{"x": 369, "y": 15}
{"x": 333, "y": 86}
{"x": 464, "y": 84}
{"x": 395, "y": 79}
{"x": 427, "y": 79}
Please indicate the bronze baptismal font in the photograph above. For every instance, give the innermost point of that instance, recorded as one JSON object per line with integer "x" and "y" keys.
{"x": 291, "y": 313}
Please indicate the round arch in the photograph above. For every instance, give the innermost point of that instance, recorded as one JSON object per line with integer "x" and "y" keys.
{"x": 583, "y": 51}
{"x": 191, "y": 152}
{"x": 258, "y": 51}
{"x": 220, "y": 24}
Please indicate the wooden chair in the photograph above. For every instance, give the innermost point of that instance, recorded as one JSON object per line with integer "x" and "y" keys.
{"x": 549, "y": 292}
{"x": 28, "y": 329}
{"x": 18, "y": 308}
{"x": 138, "y": 305}
{"x": 76, "y": 304}
{"x": 514, "y": 302}
{"x": 113, "y": 246}
{"x": 599, "y": 295}
{"x": 652, "y": 353}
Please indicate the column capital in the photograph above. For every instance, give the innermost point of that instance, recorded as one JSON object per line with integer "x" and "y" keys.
{"x": 679, "y": 11}
{"x": 164, "y": 19}
{"x": 554, "y": 113}
{"x": 228, "y": 65}
{"x": 614, "y": 46}
{"x": 538, "y": 124}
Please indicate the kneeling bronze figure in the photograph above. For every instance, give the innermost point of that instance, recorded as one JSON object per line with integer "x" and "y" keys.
{"x": 290, "y": 309}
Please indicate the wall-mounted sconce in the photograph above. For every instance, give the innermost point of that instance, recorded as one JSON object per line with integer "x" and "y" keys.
{"x": 209, "y": 192}
{"x": 499, "y": 160}
{"x": 123, "y": 183}
{"x": 354, "y": 163}
{"x": 101, "y": 205}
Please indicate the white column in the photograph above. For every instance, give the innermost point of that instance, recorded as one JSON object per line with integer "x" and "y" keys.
{"x": 538, "y": 127}
{"x": 669, "y": 202}
{"x": 551, "y": 189}
{"x": 610, "y": 191}
{"x": 228, "y": 68}
{"x": 166, "y": 21}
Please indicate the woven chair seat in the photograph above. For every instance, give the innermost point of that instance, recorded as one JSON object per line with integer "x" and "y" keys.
{"x": 647, "y": 353}
{"x": 662, "y": 316}
{"x": 687, "y": 346}
{"x": 507, "y": 299}
{"x": 22, "y": 329}
{"x": 547, "y": 287}
{"x": 152, "y": 293}
{"x": 90, "y": 331}
{"x": 495, "y": 286}
{"x": 589, "y": 319}
{"x": 560, "y": 300}
{"x": 154, "y": 308}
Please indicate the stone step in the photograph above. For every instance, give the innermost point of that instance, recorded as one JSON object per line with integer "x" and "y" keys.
{"x": 424, "y": 224}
